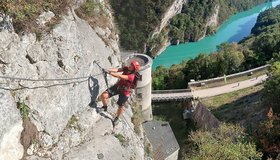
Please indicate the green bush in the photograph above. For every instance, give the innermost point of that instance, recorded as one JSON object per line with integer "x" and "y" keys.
{"x": 24, "y": 110}
{"x": 88, "y": 6}
{"x": 272, "y": 88}
{"x": 73, "y": 121}
{"x": 268, "y": 135}
{"x": 226, "y": 142}
{"x": 124, "y": 142}
{"x": 164, "y": 78}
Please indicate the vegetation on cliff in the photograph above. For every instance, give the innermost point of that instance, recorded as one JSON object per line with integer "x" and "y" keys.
{"x": 26, "y": 13}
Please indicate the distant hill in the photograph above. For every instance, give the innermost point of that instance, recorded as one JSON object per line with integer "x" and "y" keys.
{"x": 137, "y": 20}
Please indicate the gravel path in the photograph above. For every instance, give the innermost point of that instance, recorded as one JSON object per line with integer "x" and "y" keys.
{"x": 228, "y": 88}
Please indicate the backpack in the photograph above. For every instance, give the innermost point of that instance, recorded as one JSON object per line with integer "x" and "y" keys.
{"x": 135, "y": 81}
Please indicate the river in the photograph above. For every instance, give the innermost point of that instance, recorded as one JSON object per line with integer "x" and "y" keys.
{"x": 234, "y": 29}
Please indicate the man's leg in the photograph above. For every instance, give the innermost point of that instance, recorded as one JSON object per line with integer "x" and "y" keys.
{"x": 121, "y": 101}
{"x": 112, "y": 91}
{"x": 120, "y": 111}
{"x": 104, "y": 98}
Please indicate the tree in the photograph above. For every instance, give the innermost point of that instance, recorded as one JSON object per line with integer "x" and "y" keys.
{"x": 232, "y": 57}
{"x": 177, "y": 77}
{"x": 160, "y": 76}
{"x": 272, "y": 88}
{"x": 226, "y": 142}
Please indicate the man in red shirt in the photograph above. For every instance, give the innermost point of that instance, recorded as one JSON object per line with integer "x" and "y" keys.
{"x": 121, "y": 88}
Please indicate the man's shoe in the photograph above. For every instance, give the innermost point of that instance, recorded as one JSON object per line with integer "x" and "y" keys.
{"x": 104, "y": 108}
{"x": 116, "y": 121}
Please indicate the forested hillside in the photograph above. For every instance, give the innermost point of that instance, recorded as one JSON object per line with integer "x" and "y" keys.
{"x": 190, "y": 24}
{"x": 256, "y": 50}
{"x": 137, "y": 20}
{"x": 261, "y": 47}
{"x": 264, "y": 43}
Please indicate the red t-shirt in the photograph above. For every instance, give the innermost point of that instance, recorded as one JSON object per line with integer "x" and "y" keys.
{"x": 124, "y": 85}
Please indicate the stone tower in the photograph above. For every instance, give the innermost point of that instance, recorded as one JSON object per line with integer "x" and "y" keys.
{"x": 144, "y": 87}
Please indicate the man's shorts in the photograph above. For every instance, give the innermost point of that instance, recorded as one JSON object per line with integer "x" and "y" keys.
{"x": 114, "y": 91}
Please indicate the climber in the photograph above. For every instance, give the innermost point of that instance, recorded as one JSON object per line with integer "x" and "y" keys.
{"x": 121, "y": 88}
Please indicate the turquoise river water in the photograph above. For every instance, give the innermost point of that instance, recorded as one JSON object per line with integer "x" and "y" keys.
{"x": 234, "y": 29}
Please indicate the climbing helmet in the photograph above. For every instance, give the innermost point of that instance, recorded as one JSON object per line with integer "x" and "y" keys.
{"x": 136, "y": 65}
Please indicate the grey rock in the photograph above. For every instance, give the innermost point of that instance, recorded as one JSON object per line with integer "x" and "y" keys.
{"x": 45, "y": 17}
{"x": 6, "y": 23}
{"x": 100, "y": 156}
{"x": 67, "y": 52}
{"x": 11, "y": 127}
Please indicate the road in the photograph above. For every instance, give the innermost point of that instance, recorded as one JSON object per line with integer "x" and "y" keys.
{"x": 228, "y": 88}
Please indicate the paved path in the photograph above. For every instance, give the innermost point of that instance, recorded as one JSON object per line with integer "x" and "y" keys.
{"x": 228, "y": 88}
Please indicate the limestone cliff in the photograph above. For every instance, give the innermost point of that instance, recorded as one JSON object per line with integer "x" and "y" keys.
{"x": 59, "y": 119}
{"x": 159, "y": 35}
{"x": 174, "y": 9}
{"x": 212, "y": 22}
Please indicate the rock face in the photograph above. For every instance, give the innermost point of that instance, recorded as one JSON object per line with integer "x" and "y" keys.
{"x": 58, "y": 105}
{"x": 5, "y": 23}
{"x": 11, "y": 127}
{"x": 212, "y": 21}
{"x": 174, "y": 9}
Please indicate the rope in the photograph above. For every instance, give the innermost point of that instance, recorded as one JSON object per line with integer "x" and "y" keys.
{"x": 42, "y": 86}
{"x": 83, "y": 79}
{"x": 78, "y": 80}
{"x": 59, "y": 79}
{"x": 104, "y": 73}
{"x": 36, "y": 80}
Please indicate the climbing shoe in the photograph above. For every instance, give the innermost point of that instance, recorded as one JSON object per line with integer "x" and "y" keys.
{"x": 104, "y": 108}
{"x": 116, "y": 121}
